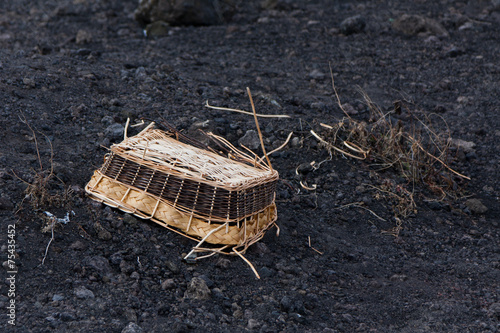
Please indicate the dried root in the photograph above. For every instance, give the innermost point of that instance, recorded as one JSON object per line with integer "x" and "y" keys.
{"x": 45, "y": 189}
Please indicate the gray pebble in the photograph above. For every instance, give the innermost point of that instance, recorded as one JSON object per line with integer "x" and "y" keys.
{"x": 157, "y": 29}
{"x": 168, "y": 284}
{"x": 253, "y": 324}
{"x": 316, "y": 74}
{"x": 416, "y": 25}
{"x": 83, "y": 293}
{"x": 353, "y": 25}
{"x": 103, "y": 234}
{"x": 114, "y": 131}
{"x": 132, "y": 328}
{"x": 476, "y": 206}
{"x": 250, "y": 140}
{"x": 197, "y": 289}
{"x": 98, "y": 263}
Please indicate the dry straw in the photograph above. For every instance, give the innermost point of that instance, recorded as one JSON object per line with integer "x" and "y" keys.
{"x": 226, "y": 199}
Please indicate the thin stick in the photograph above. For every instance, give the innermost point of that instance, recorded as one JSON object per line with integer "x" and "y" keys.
{"x": 125, "y": 129}
{"x": 356, "y": 204}
{"x": 280, "y": 147}
{"x": 53, "y": 222}
{"x": 335, "y": 91}
{"x": 248, "y": 262}
{"x": 437, "y": 159}
{"x": 309, "y": 237}
{"x": 246, "y": 112}
{"x": 332, "y": 146}
{"x": 309, "y": 188}
{"x": 24, "y": 121}
{"x": 258, "y": 129}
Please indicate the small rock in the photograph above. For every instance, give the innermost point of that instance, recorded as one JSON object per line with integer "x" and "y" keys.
{"x": 132, "y": 328}
{"x": 494, "y": 310}
{"x": 114, "y": 131}
{"x": 57, "y": 298}
{"x": 106, "y": 120}
{"x": 476, "y": 206}
{"x": 172, "y": 266}
{"x": 29, "y": 82}
{"x": 197, "y": 289}
{"x": 399, "y": 277}
{"x": 349, "y": 109}
{"x": 103, "y": 234}
{"x": 413, "y": 25}
{"x": 5, "y": 36}
{"x": 453, "y": 51}
{"x": 316, "y": 74}
{"x": 466, "y": 26}
{"x": 207, "y": 280}
{"x": 130, "y": 314}
{"x": 83, "y": 37}
{"x": 318, "y": 105}
{"x": 98, "y": 263}
{"x": 286, "y": 304}
{"x": 130, "y": 219}
{"x": 126, "y": 268}
{"x": 54, "y": 322}
{"x": 116, "y": 258}
{"x": 353, "y": 25}
{"x": 250, "y": 140}
{"x": 253, "y": 324}
{"x": 157, "y": 29}
{"x": 140, "y": 73}
{"x": 183, "y": 12}
{"x": 168, "y": 284}
{"x": 298, "y": 318}
{"x": 83, "y": 293}
{"x": 467, "y": 146}
{"x": 67, "y": 316}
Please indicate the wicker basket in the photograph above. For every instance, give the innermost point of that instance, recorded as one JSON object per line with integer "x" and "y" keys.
{"x": 188, "y": 188}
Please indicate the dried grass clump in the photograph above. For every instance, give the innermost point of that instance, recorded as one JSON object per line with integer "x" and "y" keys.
{"x": 415, "y": 146}
{"x": 418, "y": 151}
{"x": 45, "y": 189}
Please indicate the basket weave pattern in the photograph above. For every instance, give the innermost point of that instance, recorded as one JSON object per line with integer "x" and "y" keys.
{"x": 205, "y": 196}
{"x": 187, "y": 195}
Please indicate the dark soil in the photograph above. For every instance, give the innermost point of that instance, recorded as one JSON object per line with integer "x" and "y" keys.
{"x": 76, "y": 70}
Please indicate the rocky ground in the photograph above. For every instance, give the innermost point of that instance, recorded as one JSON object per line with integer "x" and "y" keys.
{"x": 74, "y": 71}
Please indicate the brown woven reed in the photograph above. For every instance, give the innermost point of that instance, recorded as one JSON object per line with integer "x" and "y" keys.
{"x": 196, "y": 192}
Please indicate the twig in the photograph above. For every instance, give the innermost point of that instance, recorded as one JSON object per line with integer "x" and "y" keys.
{"x": 258, "y": 129}
{"x": 358, "y": 205}
{"x": 309, "y": 188}
{"x": 248, "y": 262}
{"x": 246, "y": 112}
{"x": 22, "y": 118}
{"x": 437, "y": 159}
{"x": 280, "y": 147}
{"x": 335, "y": 91}
{"x": 50, "y": 241}
{"x": 309, "y": 237}
{"x": 337, "y": 149}
{"x": 53, "y": 220}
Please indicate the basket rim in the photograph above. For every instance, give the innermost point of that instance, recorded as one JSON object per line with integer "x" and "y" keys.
{"x": 166, "y": 154}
